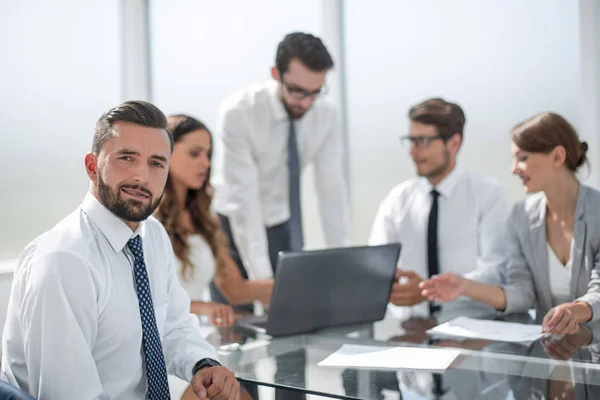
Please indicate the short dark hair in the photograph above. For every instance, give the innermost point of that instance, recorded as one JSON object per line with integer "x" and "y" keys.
{"x": 544, "y": 131}
{"x": 448, "y": 118}
{"x": 136, "y": 111}
{"x": 307, "y": 48}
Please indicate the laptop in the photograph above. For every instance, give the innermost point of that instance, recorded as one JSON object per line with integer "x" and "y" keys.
{"x": 327, "y": 288}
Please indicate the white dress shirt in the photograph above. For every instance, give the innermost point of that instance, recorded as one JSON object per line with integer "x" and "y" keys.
{"x": 560, "y": 278}
{"x": 472, "y": 216}
{"x": 73, "y": 328}
{"x": 251, "y": 173}
{"x": 202, "y": 271}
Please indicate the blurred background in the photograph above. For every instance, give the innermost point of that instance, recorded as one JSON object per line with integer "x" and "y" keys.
{"x": 63, "y": 63}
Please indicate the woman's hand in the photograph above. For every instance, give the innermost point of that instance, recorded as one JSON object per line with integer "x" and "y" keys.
{"x": 560, "y": 320}
{"x": 220, "y": 315}
{"x": 444, "y": 287}
{"x": 565, "y": 347}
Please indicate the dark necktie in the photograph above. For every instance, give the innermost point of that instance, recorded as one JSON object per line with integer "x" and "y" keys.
{"x": 295, "y": 223}
{"x": 438, "y": 384}
{"x": 158, "y": 386}
{"x": 432, "y": 242}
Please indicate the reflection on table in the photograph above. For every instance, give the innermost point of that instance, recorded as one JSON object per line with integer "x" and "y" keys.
{"x": 549, "y": 368}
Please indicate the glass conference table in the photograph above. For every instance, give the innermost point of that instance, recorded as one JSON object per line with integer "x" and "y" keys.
{"x": 551, "y": 368}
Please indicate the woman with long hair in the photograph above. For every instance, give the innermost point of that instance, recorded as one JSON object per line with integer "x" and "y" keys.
{"x": 199, "y": 244}
{"x": 554, "y": 234}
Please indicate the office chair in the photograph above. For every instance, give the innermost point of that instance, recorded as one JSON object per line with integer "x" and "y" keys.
{"x": 8, "y": 392}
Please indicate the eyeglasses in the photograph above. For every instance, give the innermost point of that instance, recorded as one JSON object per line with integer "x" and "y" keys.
{"x": 422, "y": 142}
{"x": 301, "y": 94}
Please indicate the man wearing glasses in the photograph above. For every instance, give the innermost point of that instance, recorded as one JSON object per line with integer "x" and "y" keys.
{"x": 448, "y": 219}
{"x": 266, "y": 135}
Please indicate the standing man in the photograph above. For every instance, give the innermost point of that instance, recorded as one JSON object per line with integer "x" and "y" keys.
{"x": 96, "y": 309}
{"x": 448, "y": 219}
{"x": 267, "y": 133}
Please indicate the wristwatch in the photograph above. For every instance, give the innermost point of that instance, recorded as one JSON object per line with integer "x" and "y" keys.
{"x": 205, "y": 363}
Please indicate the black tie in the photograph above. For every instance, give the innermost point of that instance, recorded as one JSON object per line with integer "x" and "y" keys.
{"x": 295, "y": 224}
{"x": 433, "y": 263}
{"x": 438, "y": 384}
{"x": 432, "y": 242}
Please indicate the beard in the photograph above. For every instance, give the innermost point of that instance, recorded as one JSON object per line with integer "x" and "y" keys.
{"x": 127, "y": 209}
{"x": 439, "y": 169}
{"x": 292, "y": 111}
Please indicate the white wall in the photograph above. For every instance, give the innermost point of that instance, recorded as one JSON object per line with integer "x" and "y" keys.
{"x": 590, "y": 82}
{"x": 203, "y": 51}
{"x": 501, "y": 60}
{"x": 59, "y": 71}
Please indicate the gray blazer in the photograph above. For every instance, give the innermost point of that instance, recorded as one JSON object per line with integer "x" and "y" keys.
{"x": 527, "y": 275}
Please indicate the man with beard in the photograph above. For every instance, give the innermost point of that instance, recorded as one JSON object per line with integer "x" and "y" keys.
{"x": 96, "y": 309}
{"x": 448, "y": 219}
{"x": 267, "y": 134}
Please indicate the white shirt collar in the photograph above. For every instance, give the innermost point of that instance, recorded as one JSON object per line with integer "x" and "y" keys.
{"x": 447, "y": 185}
{"x": 112, "y": 227}
{"x": 279, "y": 111}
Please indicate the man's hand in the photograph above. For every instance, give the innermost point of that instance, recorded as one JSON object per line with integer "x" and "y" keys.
{"x": 408, "y": 292}
{"x": 215, "y": 383}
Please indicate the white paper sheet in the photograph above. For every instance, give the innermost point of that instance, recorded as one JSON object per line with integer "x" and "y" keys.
{"x": 391, "y": 357}
{"x": 490, "y": 330}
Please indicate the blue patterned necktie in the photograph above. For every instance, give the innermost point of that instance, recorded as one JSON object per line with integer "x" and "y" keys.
{"x": 295, "y": 224}
{"x": 158, "y": 386}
